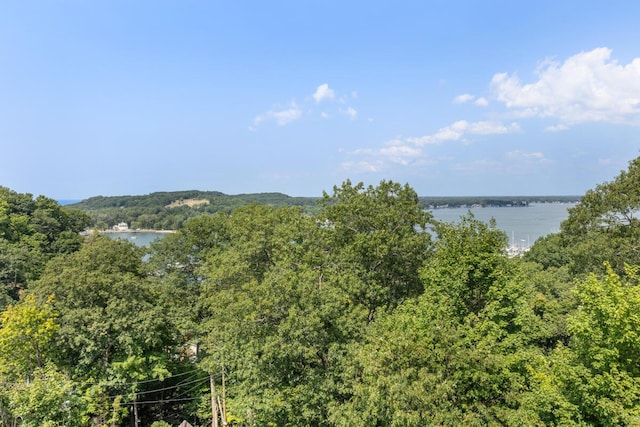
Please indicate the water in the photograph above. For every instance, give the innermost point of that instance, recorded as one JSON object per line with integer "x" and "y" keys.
{"x": 64, "y": 202}
{"x": 140, "y": 238}
{"x": 523, "y": 225}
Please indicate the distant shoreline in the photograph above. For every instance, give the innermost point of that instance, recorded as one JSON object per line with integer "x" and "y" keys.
{"x": 137, "y": 230}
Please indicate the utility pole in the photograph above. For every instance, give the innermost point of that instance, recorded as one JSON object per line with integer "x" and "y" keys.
{"x": 135, "y": 414}
{"x": 214, "y": 404}
{"x": 224, "y": 399}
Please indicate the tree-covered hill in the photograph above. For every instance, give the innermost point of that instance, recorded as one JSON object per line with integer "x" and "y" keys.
{"x": 169, "y": 210}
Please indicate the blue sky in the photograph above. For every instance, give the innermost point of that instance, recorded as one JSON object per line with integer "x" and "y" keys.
{"x": 453, "y": 97}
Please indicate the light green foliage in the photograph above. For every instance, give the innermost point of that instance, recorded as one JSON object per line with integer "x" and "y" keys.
{"x": 603, "y": 378}
{"x": 27, "y": 333}
{"x": 98, "y": 407}
{"x": 49, "y": 399}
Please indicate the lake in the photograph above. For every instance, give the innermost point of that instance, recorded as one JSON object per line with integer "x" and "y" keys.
{"x": 140, "y": 238}
{"x": 523, "y": 225}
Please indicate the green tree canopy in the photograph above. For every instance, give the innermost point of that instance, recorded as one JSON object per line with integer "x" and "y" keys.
{"x": 107, "y": 307}
{"x": 604, "y": 226}
{"x": 31, "y": 233}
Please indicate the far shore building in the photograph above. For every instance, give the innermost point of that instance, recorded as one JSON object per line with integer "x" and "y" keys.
{"x": 123, "y": 226}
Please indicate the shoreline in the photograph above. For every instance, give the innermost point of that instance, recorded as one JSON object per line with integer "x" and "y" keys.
{"x": 137, "y": 230}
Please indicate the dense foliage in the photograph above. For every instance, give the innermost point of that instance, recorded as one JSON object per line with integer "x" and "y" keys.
{"x": 366, "y": 312}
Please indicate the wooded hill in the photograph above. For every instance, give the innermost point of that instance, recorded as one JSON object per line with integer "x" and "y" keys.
{"x": 169, "y": 210}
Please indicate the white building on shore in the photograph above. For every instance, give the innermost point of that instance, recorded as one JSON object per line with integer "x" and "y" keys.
{"x": 123, "y": 226}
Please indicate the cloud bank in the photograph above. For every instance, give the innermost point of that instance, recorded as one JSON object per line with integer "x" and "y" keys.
{"x": 457, "y": 131}
{"x": 410, "y": 150}
{"x": 586, "y": 87}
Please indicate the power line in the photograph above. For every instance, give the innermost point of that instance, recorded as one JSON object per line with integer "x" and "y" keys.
{"x": 192, "y": 388}
{"x": 164, "y": 388}
{"x": 148, "y": 402}
{"x": 147, "y": 381}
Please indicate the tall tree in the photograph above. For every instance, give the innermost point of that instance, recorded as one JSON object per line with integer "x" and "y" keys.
{"x": 288, "y": 292}
{"x": 380, "y": 233}
{"x": 604, "y": 226}
{"x": 108, "y": 316}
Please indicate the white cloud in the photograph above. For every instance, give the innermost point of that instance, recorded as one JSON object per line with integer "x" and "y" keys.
{"x": 402, "y": 154}
{"x": 482, "y": 102}
{"x": 463, "y": 99}
{"x": 280, "y": 116}
{"x": 396, "y": 151}
{"x": 586, "y": 87}
{"x": 458, "y": 130}
{"x": 409, "y": 151}
{"x": 351, "y": 113}
{"x": 323, "y": 92}
{"x": 285, "y": 114}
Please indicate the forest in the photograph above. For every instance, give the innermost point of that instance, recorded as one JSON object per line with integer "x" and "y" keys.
{"x": 364, "y": 312}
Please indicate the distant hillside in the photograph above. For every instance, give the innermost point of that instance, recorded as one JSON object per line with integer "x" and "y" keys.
{"x": 169, "y": 210}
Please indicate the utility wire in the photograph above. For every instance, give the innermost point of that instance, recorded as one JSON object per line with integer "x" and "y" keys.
{"x": 204, "y": 380}
{"x": 148, "y": 402}
{"x": 148, "y": 381}
{"x": 164, "y": 388}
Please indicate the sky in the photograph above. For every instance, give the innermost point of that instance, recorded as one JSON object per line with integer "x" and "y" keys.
{"x": 455, "y": 98}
